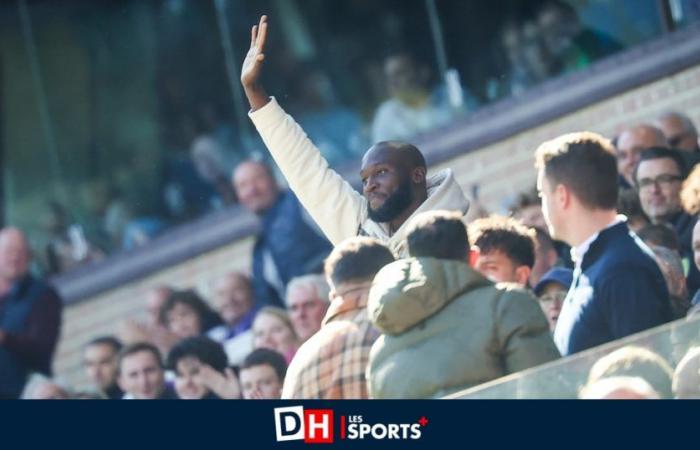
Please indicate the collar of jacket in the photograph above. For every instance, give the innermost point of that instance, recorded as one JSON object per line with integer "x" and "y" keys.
{"x": 409, "y": 291}
{"x": 605, "y": 238}
{"x": 354, "y": 297}
{"x": 443, "y": 193}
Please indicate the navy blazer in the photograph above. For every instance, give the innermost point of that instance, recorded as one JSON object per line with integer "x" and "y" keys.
{"x": 618, "y": 290}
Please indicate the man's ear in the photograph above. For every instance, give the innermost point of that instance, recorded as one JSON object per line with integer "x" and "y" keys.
{"x": 473, "y": 255}
{"x": 562, "y": 195}
{"x": 418, "y": 175}
{"x": 522, "y": 274}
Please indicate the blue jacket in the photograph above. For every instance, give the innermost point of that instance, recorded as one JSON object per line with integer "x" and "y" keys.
{"x": 30, "y": 316}
{"x": 295, "y": 246}
{"x": 619, "y": 290}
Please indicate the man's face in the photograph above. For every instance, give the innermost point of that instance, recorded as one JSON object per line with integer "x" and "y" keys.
{"x": 142, "y": 376}
{"x": 550, "y": 211}
{"x": 188, "y": 385}
{"x": 629, "y": 146}
{"x": 551, "y": 300}
{"x": 659, "y": 182}
{"x": 255, "y": 188}
{"x": 386, "y": 185}
{"x": 154, "y": 302}
{"x": 306, "y": 311}
{"x": 677, "y": 136}
{"x": 497, "y": 267}
{"x": 402, "y": 75}
{"x": 261, "y": 381}
{"x": 14, "y": 255}
{"x": 101, "y": 365}
{"x": 531, "y": 216}
{"x": 557, "y": 32}
{"x": 232, "y": 299}
{"x": 183, "y": 321}
{"x": 696, "y": 244}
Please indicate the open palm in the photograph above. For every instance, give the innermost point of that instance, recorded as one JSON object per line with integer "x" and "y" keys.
{"x": 252, "y": 65}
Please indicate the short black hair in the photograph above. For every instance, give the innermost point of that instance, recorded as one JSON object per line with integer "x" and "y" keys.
{"x": 575, "y": 159}
{"x": 661, "y": 235}
{"x": 138, "y": 348}
{"x": 507, "y": 235}
{"x": 660, "y": 153}
{"x": 438, "y": 234}
{"x": 110, "y": 341}
{"x": 207, "y": 316}
{"x": 265, "y": 356}
{"x": 358, "y": 258}
{"x": 204, "y": 349}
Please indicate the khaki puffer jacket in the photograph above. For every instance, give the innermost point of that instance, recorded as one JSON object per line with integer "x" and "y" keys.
{"x": 447, "y": 328}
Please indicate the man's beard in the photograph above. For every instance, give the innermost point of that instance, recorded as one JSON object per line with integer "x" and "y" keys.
{"x": 394, "y": 205}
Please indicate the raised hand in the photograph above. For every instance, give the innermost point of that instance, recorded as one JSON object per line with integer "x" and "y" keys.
{"x": 252, "y": 66}
{"x": 225, "y": 385}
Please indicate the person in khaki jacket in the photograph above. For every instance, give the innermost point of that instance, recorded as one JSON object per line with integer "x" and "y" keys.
{"x": 394, "y": 177}
{"x": 444, "y": 326}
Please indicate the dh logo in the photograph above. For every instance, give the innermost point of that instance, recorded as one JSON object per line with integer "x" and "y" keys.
{"x": 314, "y": 426}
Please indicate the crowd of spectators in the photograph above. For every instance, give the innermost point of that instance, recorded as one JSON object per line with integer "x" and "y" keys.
{"x": 388, "y": 293}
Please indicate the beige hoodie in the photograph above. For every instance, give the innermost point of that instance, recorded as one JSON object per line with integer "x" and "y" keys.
{"x": 338, "y": 209}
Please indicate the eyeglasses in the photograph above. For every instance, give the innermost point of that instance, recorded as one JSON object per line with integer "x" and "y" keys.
{"x": 675, "y": 141}
{"x": 665, "y": 179}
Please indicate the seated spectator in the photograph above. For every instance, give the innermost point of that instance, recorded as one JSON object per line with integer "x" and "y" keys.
{"x": 413, "y": 107}
{"x": 307, "y": 303}
{"x": 151, "y": 330}
{"x": 185, "y": 315}
{"x": 686, "y": 379}
{"x": 433, "y": 307}
{"x": 671, "y": 266}
{"x": 100, "y": 361}
{"x": 234, "y": 302}
{"x": 629, "y": 145}
{"x": 660, "y": 235}
{"x": 631, "y": 361}
{"x": 262, "y": 375}
{"x": 289, "y": 244}
{"x": 30, "y": 317}
{"x": 546, "y": 256}
{"x": 620, "y": 289}
{"x": 208, "y": 158}
{"x": 572, "y": 44}
{"x": 141, "y": 373}
{"x": 696, "y": 260}
{"x": 629, "y": 206}
{"x": 551, "y": 291}
{"x": 679, "y": 131}
{"x": 619, "y": 388}
{"x": 273, "y": 329}
{"x": 201, "y": 370}
{"x": 658, "y": 178}
{"x": 503, "y": 249}
{"x": 68, "y": 246}
{"x": 332, "y": 363}
{"x": 42, "y": 388}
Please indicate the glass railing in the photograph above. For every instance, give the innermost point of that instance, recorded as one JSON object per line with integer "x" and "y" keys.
{"x": 563, "y": 379}
{"x": 121, "y": 119}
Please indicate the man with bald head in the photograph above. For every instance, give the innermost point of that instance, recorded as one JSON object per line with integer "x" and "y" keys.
{"x": 394, "y": 174}
{"x": 679, "y": 131}
{"x": 289, "y": 243}
{"x": 30, "y": 317}
{"x": 629, "y": 145}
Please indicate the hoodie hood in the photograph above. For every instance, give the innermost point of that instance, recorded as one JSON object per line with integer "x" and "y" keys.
{"x": 443, "y": 194}
{"x": 408, "y": 291}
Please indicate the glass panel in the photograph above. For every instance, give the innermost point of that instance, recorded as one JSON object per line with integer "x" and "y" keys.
{"x": 123, "y": 118}
{"x": 564, "y": 378}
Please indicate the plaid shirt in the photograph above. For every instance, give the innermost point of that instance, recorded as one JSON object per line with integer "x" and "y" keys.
{"x": 332, "y": 363}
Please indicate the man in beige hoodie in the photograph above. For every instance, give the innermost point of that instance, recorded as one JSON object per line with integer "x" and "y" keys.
{"x": 394, "y": 175}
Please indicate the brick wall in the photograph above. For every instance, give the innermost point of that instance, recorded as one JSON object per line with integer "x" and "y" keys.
{"x": 502, "y": 169}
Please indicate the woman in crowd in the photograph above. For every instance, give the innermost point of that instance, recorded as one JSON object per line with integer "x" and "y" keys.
{"x": 273, "y": 329}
